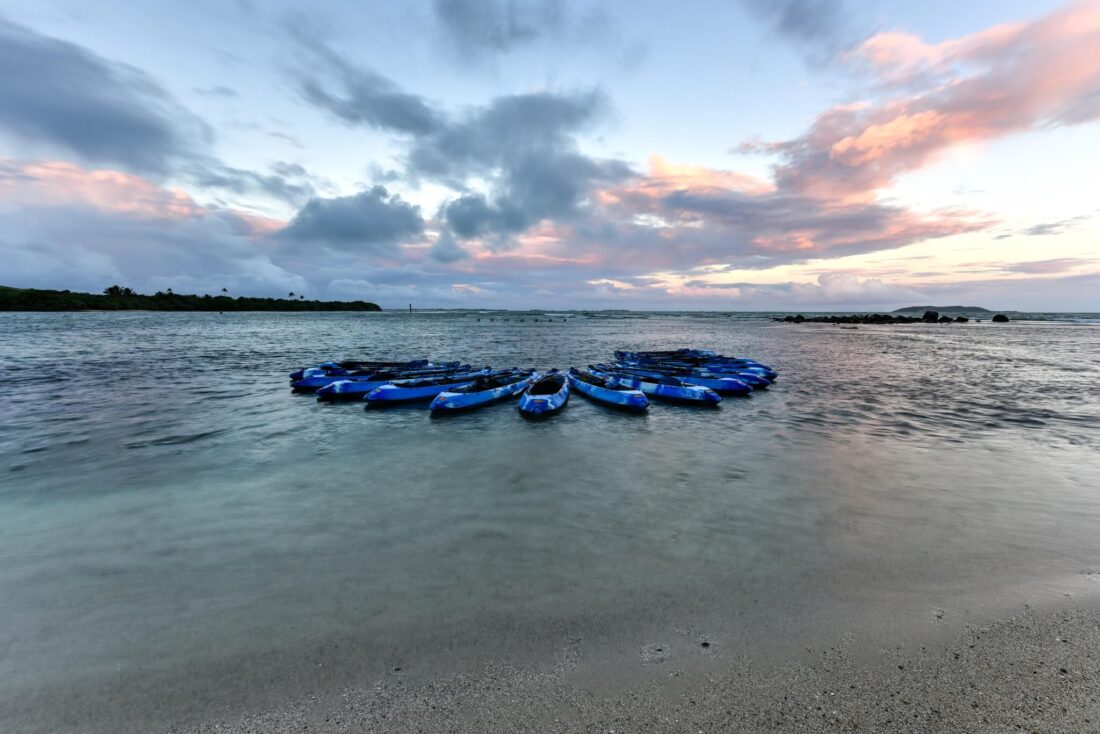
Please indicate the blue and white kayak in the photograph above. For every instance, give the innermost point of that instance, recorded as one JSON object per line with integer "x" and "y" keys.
{"x": 720, "y": 385}
{"x": 356, "y": 388}
{"x": 623, "y": 356}
{"x": 314, "y": 382}
{"x": 607, "y": 391}
{"x": 482, "y": 391}
{"x": 349, "y": 366}
{"x": 401, "y": 391}
{"x": 545, "y": 396}
{"x": 696, "y": 359}
{"x": 752, "y": 379}
{"x": 665, "y": 388}
{"x": 732, "y": 369}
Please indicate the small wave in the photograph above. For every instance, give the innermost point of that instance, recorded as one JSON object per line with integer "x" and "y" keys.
{"x": 173, "y": 440}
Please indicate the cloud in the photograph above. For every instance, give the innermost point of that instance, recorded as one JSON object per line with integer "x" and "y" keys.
{"x": 820, "y": 28}
{"x": 217, "y": 90}
{"x": 831, "y": 289}
{"x": 370, "y": 221}
{"x": 1059, "y": 226}
{"x": 356, "y": 95}
{"x": 475, "y": 27}
{"x": 1049, "y": 267}
{"x": 477, "y": 32}
{"x": 81, "y": 234}
{"x": 521, "y": 149}
{"x": 525, "y": 147}
{"x": 64, "y": 184}
{"x": 1005, "y": 80}
{"x": 679, "y": 217}
{"x": 63, "y": 97}
{"x": 446, "y": 250}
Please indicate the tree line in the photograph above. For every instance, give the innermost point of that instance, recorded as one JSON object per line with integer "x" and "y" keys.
{"x": 121, "y": 298}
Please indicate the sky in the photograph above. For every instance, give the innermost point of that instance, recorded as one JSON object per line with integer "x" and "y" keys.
{"x": 753, "y": 155}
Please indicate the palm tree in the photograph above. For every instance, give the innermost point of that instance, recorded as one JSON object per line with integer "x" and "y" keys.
{"x": 301, "y": 298}
{"x": 290, "y": 295}
{"x": 225, "y": 290}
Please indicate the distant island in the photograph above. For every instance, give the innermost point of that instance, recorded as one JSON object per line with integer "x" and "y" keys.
{"x": 118, "y": 298}
{"x": 957, "y": 310}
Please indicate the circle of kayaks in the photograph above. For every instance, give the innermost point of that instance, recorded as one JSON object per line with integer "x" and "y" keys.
{"x": 686, "y": 376}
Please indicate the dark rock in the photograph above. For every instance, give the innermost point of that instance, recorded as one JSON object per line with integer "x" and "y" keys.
{"x": 931, "y": 316}
{"x": 945, "y": 319}
{"x": 1000, "y": 319}
{"x": 961, "y": 319}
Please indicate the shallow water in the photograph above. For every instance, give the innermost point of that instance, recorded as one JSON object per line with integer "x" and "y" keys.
{"x": 179, "y": 534}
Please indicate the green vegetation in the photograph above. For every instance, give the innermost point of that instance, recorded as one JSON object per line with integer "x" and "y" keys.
{"x": 118, "y": 298}
{"x": 955, "y": 310}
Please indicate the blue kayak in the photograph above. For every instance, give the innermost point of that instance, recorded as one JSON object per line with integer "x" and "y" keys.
{"x": 349, "y": 366}
{"x": 720, "y": 385}
{"x": 608, "y": 391}
{"x": 402, "y": 391}
{"x": 312, "y": 382}
{"x": 356, "y": 388}
{"x": 482, "y": 391}
{"x": 546, "y": 395}
{"x": 665, "y": 388}
{"x": 662, "y": 355}
{"x": 696, "y": 359}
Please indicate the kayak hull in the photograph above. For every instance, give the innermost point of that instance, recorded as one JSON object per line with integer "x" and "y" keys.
{"x": 693, "y": 394}
{"x": 720, "y": 385}
{"x": 399, "y": 391}
{"x": 544, "y": 405}
{"x": 455, "y": 402}
{"x": 632, "y": 400}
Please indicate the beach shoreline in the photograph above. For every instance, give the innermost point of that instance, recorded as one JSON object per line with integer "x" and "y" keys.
{"x": 1035, "y": 670}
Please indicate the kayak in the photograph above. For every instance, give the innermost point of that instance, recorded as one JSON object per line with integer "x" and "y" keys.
{"x": 665, "y": 388}
{"x": 355, "y": 388}
{"x": 349, "y": 366}
{"x": 402, "y": 391}
{"x": 545, "y": 396}
{"x": 607, "y": 391}
{"x": 720, "y": 385}
{"x": 314, "y": 382}
{"x": 482, "y": 391}
{"x": 672, "y": 354}
{"x": 696, "y": 359}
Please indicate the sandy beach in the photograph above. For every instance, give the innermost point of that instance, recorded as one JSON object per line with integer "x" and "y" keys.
{"x": 1035, "y": 671}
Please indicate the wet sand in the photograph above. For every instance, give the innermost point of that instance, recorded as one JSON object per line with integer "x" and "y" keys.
{"x": 1036, "y": 671}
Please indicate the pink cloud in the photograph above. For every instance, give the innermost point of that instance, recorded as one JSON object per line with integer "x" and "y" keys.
{"x": 1005, "y": 80}
{"x": 60, "y": 183}
{"x": 64, "y": 184}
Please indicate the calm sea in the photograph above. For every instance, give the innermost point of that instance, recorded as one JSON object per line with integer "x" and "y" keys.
{"x": 180, "y": 536}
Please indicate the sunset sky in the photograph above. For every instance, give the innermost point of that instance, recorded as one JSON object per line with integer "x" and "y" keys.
{"x": 806, "y": 154}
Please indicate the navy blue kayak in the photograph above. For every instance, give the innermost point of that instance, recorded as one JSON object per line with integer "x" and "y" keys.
{"x": 696, "y": 359}
{"x": 664, "y": 388}
{"x": 314, "y": 381}
{"x": 546, "y": 396}
{"x": 482, "y": 391}
{"x": 348, "y": 366}
{"x": 608, "y": 391}
{"x": 403, "y": 391}
{"x": 720, "y": 385}
{"x": 356, "y": 388}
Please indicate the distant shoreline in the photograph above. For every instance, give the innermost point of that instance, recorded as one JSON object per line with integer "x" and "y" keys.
{"x": 123, "y": 299}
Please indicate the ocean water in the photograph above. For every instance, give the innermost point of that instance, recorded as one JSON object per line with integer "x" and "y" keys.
{"x": 181, "y": 537}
